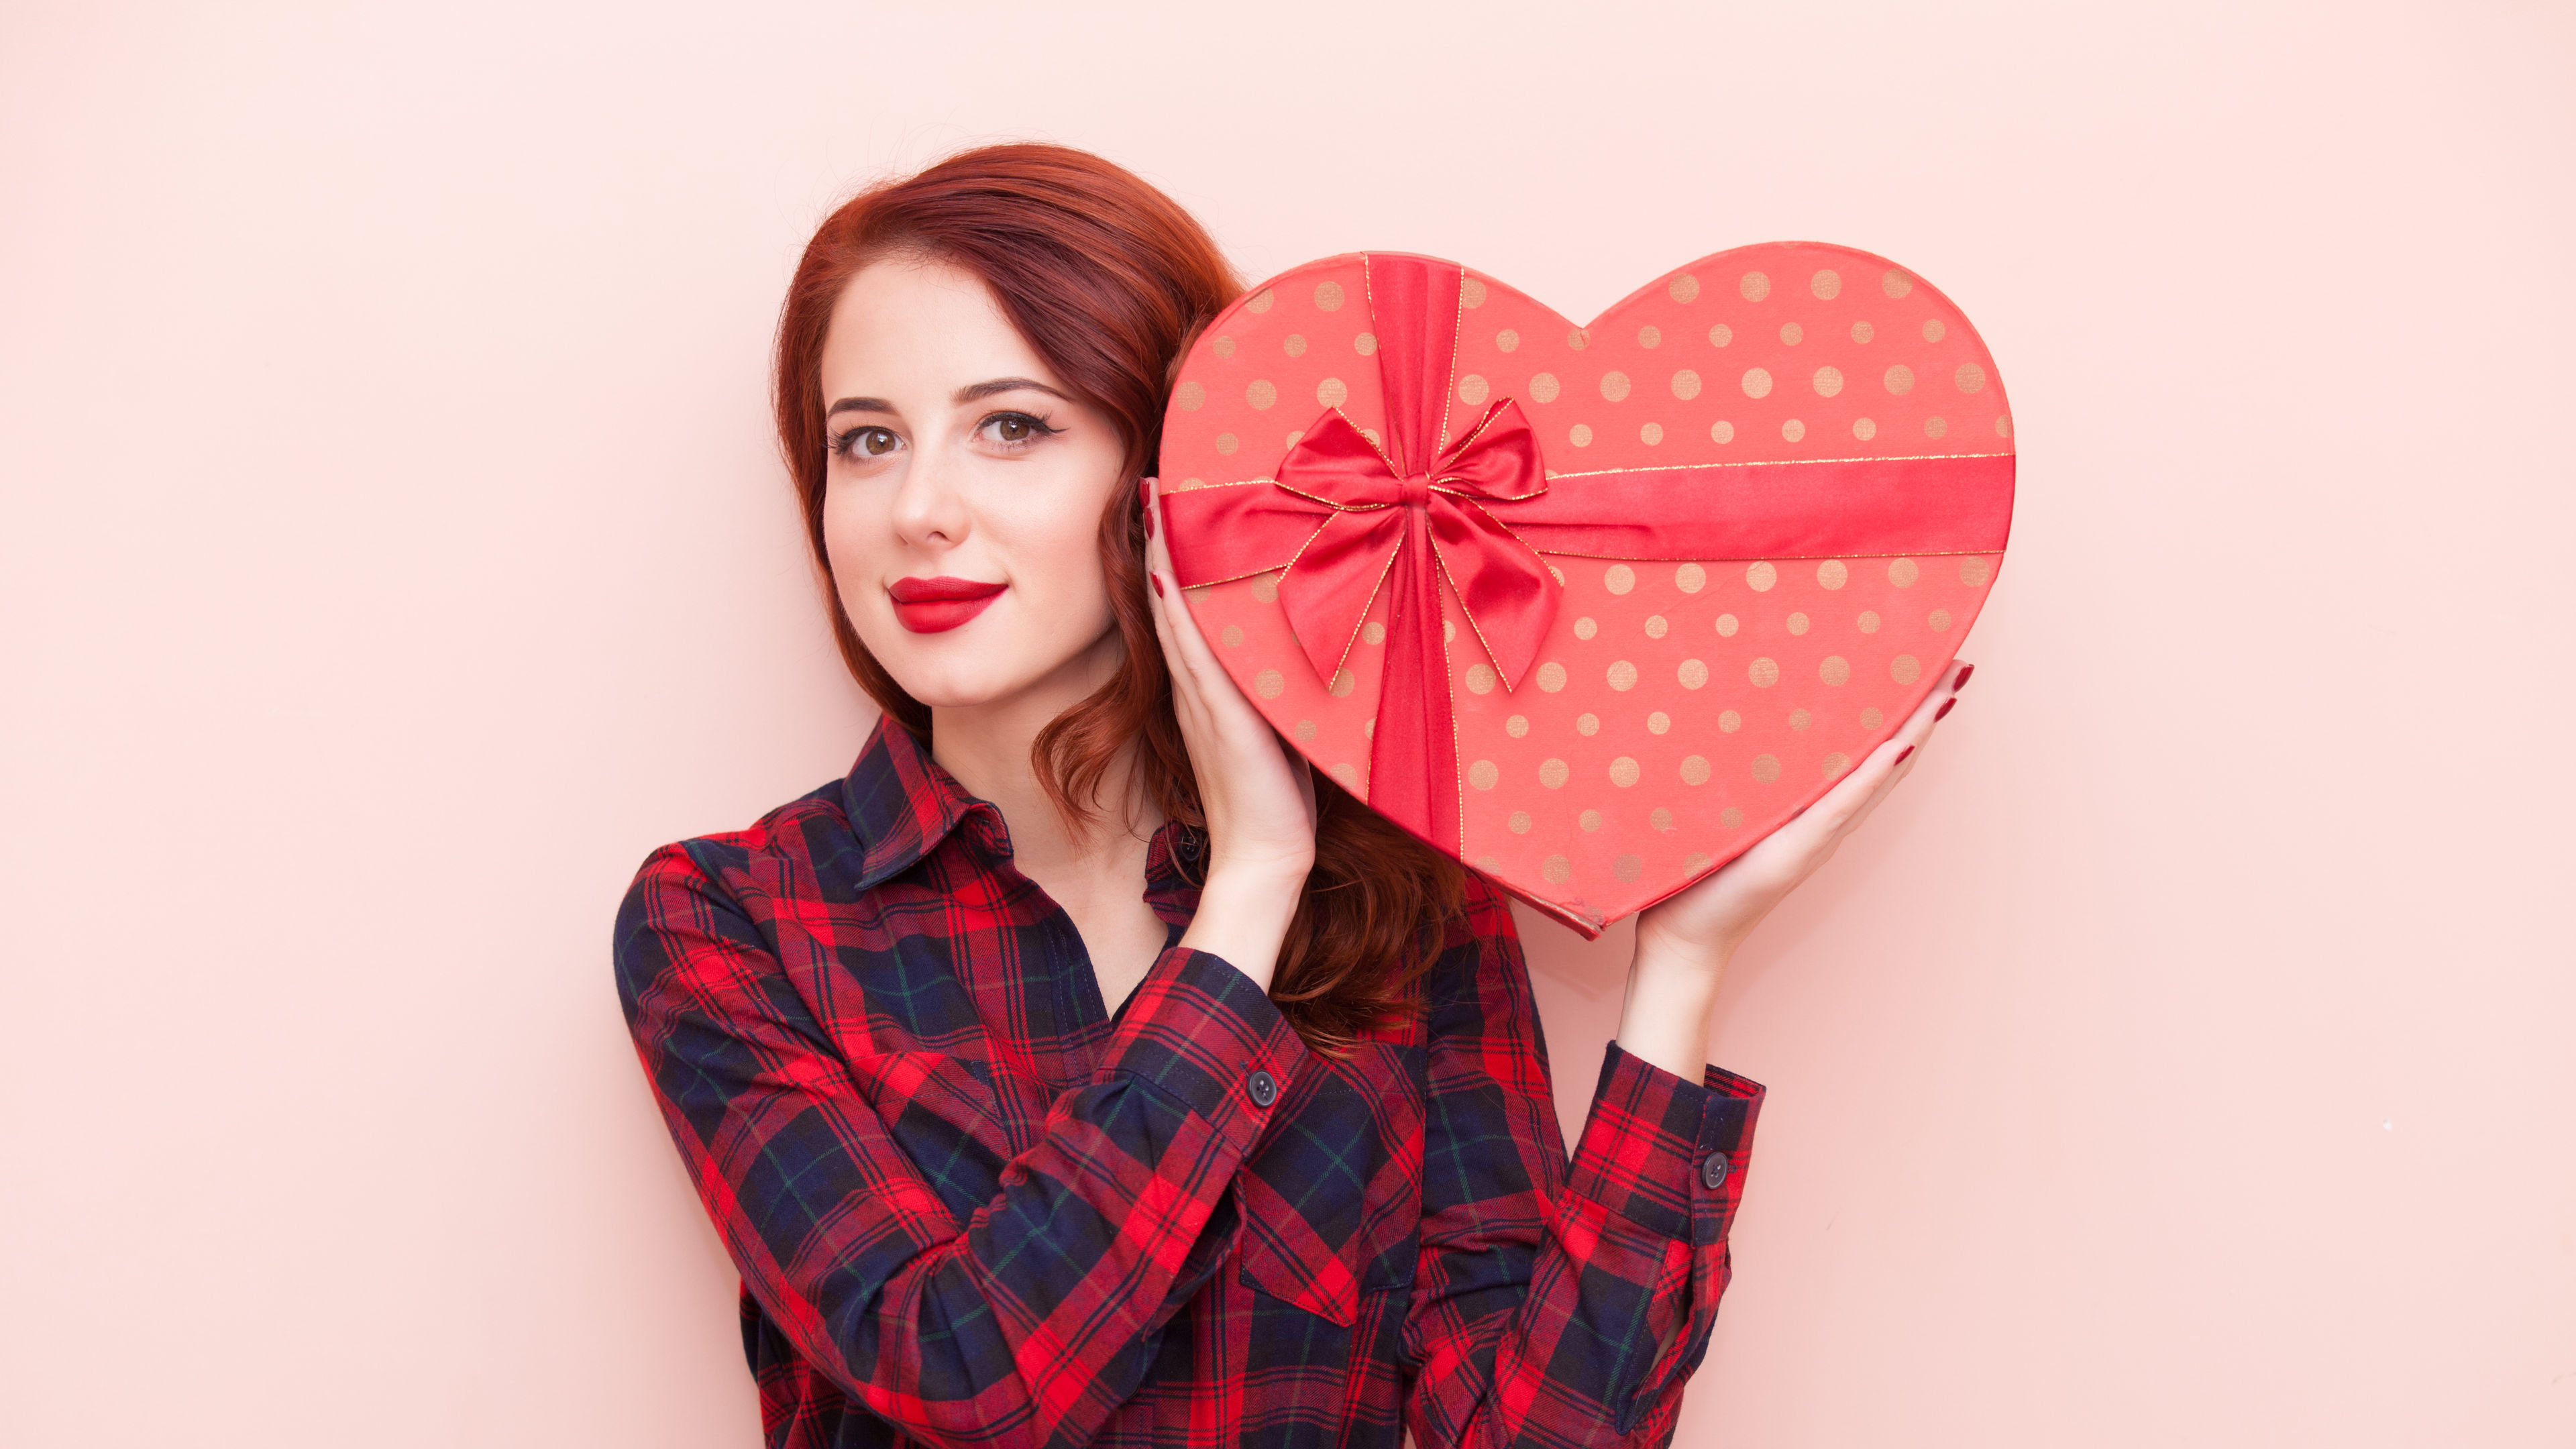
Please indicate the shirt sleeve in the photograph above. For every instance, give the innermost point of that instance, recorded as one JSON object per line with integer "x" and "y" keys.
{"x": 1561, "y": 1304}
{"x": 1027, "y": 1322}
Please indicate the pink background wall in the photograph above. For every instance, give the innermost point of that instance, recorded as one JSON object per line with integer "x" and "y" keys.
{"x": 393, "y": 553}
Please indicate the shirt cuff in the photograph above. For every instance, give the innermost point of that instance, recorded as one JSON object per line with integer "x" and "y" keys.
{"x": 1200, "y": 1031}
{"x": 1666, "y": 1154}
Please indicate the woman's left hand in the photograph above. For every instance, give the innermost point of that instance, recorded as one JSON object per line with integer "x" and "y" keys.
{"x": 1685, "y": 940}
{"x": 1257, "y": 794}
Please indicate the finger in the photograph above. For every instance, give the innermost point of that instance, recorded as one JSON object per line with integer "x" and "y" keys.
{"x": 1850, "y": 802}
{"x": 1208, "y": 679}
{"x": 1303, "y": 771}
{"x": 1162, "y": 600}
{"x": 1179, "y": 626}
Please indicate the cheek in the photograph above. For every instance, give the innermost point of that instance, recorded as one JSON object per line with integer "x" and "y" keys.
{"x": 852, "y": 539}
{"x": 1054, "y": 556}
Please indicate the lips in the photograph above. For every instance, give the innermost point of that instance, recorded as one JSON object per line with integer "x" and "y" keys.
{"x": 934, "y": 606}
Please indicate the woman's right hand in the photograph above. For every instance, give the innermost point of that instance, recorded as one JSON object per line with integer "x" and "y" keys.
{"x": 1257, "y": 793}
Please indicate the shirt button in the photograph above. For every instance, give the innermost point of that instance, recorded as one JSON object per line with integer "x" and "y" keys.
{"x": 1265, "y": 1090}
{"x": 1713, "y": 1171}
{"x": 1189, "y": 845}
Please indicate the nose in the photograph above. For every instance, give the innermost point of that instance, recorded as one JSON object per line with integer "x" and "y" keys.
{"x": 930, "y": 509}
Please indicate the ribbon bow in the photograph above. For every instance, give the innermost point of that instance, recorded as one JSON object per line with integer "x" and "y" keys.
{"x": 1346, "y": 516}
{"x": 1505, "y": 587}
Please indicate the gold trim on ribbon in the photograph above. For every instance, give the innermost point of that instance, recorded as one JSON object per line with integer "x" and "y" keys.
{"x": 1775, "y": 463}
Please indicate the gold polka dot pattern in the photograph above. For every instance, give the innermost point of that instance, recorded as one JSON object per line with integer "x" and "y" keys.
{"x": 1771, "y": 677}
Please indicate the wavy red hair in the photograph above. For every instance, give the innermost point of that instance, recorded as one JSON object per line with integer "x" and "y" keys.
{"x": 1109, "y": 280}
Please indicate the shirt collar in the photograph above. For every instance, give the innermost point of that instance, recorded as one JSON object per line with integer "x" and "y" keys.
{"x": 901, "y": 804}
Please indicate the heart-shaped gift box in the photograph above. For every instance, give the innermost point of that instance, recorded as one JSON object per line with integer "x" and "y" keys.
{"x": 1592, "y": 609}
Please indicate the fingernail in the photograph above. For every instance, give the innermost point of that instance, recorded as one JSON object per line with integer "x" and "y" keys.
{"x": 1157, "y": 581}
{"x": 1961, "y": 682}
{"x": 1947, "y": 705}
{"x": 1145, "y": 502}
{"x": 1901, "y": 754}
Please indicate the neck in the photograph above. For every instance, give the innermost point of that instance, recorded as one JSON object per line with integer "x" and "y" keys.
{"x": 986, "y": 747}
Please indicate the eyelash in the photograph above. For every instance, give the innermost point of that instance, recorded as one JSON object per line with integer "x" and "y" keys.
{"x": 845, "y": 441}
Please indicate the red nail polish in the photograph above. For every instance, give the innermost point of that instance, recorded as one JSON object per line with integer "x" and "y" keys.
{"x": 1901, "y": 754}
{"x": 1157, "y": 581}
{"x": 1947, "y": 705}
{"x": 1961, "y": 682}
{"x": 1149, "y": 520}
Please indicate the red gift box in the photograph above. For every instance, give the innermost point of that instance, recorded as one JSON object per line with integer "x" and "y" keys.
{"x": 1592, "y": 609}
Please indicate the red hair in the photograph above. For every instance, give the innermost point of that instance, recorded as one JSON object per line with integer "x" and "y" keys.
{"x": 1108, "y": 279}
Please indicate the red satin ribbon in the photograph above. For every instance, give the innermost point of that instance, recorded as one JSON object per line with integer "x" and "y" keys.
{"x": 1345, "y": 518}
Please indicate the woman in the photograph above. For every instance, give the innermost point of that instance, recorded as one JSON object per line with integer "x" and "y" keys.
{"x": 1081, "y": 1070}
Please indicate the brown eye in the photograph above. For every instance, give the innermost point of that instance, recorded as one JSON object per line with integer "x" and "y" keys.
{"x": 861, "y": 444}
{"x": 1013, "y": 430}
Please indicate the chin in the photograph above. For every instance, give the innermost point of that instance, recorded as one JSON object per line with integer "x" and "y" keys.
{"x": 979, "y": 678}
{"x": 990, "y": 659}
{"x": 962, "y": 682}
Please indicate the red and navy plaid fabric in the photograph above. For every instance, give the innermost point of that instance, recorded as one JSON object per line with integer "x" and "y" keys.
{"x": 973, "y": 1208}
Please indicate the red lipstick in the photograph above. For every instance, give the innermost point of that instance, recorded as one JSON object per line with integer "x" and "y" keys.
{"x": 934, "y": 606}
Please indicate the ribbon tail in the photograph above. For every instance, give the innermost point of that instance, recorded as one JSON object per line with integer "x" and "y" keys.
{"x": 1328, "y": 587}
{"x": 1506, "y": 589}
{"x": 1413, "y": 747}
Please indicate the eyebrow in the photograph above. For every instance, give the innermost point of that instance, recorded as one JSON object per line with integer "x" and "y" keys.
{"x": 972, "y": 392}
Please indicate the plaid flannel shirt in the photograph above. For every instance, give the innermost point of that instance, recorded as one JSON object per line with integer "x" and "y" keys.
{"x": 972, "y": 1207}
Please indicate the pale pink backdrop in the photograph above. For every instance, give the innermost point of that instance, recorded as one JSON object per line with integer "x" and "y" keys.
{"x": 393, "y": 553}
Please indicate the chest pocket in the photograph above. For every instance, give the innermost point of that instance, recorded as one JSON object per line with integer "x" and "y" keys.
{"x": 1332, "y": 1198}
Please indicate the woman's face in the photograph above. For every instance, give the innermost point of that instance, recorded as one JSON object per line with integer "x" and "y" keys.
{"x": 964, "y": 495}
